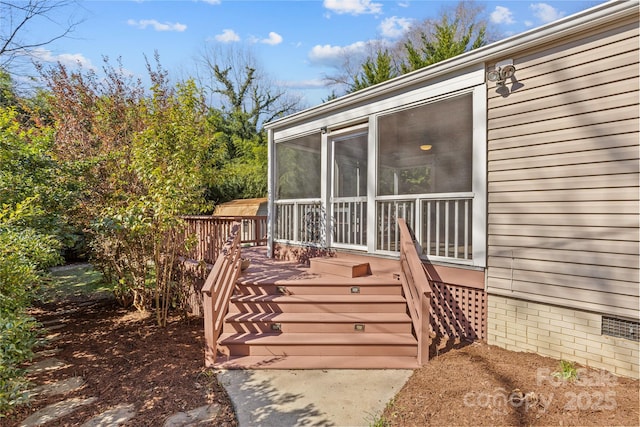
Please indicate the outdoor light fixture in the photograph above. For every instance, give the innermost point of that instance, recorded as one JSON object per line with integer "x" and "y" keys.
{"x": 501, "y": 72}
{"x": 426, "y": 147}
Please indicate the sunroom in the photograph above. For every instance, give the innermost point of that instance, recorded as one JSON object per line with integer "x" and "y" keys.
{"x": 342, "y": 173}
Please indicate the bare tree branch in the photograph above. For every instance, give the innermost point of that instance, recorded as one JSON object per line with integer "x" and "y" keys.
{"x": 16, "y": 17}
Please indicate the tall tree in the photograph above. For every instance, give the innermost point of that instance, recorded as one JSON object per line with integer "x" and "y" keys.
{"x": 246, "y": 98}
{"x": 425, "y": 43}
{"x": 375, "y": 70}
{"x": 448, "y": 40}
{"x": 236, "y": 82}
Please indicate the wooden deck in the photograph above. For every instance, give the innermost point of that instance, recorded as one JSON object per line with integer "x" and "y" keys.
{"x": 285, "y": 315}
{"x": 264, "y": 270}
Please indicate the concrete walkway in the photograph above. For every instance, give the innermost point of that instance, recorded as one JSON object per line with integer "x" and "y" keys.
{"x": 328, "y": 397}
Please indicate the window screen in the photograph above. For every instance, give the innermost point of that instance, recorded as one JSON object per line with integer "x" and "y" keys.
{"x": 298, "y": 168}
{"x": 427, "y": 149}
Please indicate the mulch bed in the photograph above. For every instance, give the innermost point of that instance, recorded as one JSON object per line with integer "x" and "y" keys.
{"x": 126, "y": 358}
{"x": 479, "y": 384}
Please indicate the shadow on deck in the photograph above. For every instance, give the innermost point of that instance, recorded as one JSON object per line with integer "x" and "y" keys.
{"x": 264, "y": 270}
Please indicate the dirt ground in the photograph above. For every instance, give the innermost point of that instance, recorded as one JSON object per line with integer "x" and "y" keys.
{"x": 479, "y": 384}
{"x": 125, "y": 358}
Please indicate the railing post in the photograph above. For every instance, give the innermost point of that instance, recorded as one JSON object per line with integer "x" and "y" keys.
{"x": 209, "y": 332}
{"x": 424, "y": 341}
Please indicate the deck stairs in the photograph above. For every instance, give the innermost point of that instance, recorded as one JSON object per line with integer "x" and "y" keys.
{"x": 336, "y": 314}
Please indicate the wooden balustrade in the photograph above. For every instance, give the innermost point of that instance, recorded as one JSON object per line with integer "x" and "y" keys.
{"x": 211, "y": 233}
{"x": 415, "y": 284}
{"x": 217, "y": 291}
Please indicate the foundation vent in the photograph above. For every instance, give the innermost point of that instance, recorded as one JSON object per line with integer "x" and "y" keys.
{"x": 621, "y": 328}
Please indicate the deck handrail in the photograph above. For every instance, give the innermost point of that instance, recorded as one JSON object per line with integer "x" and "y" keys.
{"x": 217, "y": 290}
{"x": 415, "y": 284}
{"x": 210, "y": 233}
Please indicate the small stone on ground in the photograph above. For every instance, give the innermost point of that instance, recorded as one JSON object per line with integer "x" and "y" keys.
{"x": 55, "y": 411}
{"x": 48, "y": 353}
{"x": 48, "y": 364}
{"x": 59, "y": 387}
{"x": 113, "y": 417}
{"x": 202, "y": 416}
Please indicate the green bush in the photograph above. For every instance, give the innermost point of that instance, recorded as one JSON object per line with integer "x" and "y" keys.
{"x": 18, "y": 335}
{"x": 24, "y": 253}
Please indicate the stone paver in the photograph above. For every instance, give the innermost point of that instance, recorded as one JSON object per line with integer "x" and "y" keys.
{"x": 48, "y": 353}
{"x": 202, "y": 416}
{"x": 113, "y": 417}
{"x": 59, "y": 387}
{"x": 52, "y": 322}
{"x": 48, "y": 364}
{"x": 55, "y": 411}
{"x": 49, "y": 338}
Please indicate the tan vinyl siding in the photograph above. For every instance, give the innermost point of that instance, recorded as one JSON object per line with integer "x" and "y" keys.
{"x": 564, "y": 173}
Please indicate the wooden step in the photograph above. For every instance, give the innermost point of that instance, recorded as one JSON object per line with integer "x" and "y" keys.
{"x": 321, "y": 344}
{"x": 354, "y": 303}
{"x": 339, "y": 267}
{"x": 316, "y": 362}
{"x": 319, "y": 288}
{"x": 397, "y": 323}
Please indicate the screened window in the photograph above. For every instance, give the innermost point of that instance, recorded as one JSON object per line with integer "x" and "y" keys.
{"x": 298, "y": 167}
{"x": 426, "y": 149}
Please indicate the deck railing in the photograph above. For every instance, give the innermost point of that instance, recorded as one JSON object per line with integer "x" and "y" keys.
{"x": 388, "y": 214}
{"x": 300, "y": 221}
{"x": 217, "y": 291}
{"x": 417, "y": 291}
{"x": 211, "y": 233}
{"x": 349, "y": 221}
{"x": 442, "y": 224}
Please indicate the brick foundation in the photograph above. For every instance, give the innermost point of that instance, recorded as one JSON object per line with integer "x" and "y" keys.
{"x": 559, "y": 332}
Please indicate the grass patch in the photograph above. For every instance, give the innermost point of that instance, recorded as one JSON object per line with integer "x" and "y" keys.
{"x": 74, "y": 280}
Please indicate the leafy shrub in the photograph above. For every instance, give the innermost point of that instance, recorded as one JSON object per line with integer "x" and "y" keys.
{"x": 18, "y": 334}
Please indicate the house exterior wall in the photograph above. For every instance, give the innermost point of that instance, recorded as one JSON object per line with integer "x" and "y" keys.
{"x": 563, "y": 199}
{"x": 562, "y": 178}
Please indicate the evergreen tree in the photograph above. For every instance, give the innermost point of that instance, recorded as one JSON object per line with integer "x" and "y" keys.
{"x": 448, "y": 40}
{"x": 375, "y": 71}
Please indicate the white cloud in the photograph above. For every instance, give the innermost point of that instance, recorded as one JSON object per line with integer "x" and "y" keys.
{"x": 274, "y": 39}
{"x": 394, "y": 27}
{"x": 214, "y": 2}
{"x": 502, "y": 15}
{"x": 545, "y": 12}
{"x": 404, "y": 4}
{"x": 353, "y": 7}
{"x": 327, "y": 55}
{"x": 158, "y": 26}
{"x": 304, "y": 84}
{"x": 227, "y": 36}
{"x": 67, "y": 59}
{"x": 528, "y": 23}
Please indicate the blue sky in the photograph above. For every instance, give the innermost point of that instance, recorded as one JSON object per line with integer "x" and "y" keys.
{"x": 296, "y": 42}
